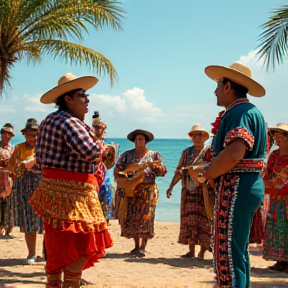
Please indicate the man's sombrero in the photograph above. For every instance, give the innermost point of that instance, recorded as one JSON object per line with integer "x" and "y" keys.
{"x": 280, "y": 127}
{"x": 238, "y": 73}
{"x": 68, "y": 83}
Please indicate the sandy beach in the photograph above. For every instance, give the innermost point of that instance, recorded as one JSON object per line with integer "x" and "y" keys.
{"x": 162, "y": 266}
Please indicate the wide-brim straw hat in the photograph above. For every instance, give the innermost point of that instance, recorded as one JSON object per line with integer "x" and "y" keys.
{"x": 198, "y": 128}
{"x": 7, "y": 129}
{"x": 132, "y": 135}
{"x": 280, "y": 127}
{"x": 238, "y": 73}
{"x": 31, "y": 125}
{"x": 66, "y": 84}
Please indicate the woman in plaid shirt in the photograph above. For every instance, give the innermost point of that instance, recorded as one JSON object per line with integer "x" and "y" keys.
{"x": 67, "y": 198}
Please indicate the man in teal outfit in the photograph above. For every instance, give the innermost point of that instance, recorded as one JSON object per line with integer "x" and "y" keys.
{"x": 239, "y": 148}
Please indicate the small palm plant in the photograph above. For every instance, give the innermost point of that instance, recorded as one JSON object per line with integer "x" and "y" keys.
{"x": 30, "y": 29}
{"x": 274, "y": 39}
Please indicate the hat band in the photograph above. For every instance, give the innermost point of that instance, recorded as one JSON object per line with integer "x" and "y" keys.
{"x": 32, "y": 126}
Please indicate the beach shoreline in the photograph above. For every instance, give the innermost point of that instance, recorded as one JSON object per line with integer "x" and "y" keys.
{"x": 162, "y": 266}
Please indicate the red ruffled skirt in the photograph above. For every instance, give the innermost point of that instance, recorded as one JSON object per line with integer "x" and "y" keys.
{"x": 73, "y": 219}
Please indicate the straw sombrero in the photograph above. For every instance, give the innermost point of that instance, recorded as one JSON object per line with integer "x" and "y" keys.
{"x": 7, "y": 128}
{"x": 280, "y": 127}
{"x": 31, "y": 125}
{"x": 237, "y": 73}
{"x": 198, "y": 128}
{"x": 68, "y": 83}
{"x": 132, "y": 135}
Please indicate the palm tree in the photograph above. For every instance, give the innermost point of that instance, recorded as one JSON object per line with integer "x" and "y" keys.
{"x": 30, "y": 29}
{"x": 274, "y": 38}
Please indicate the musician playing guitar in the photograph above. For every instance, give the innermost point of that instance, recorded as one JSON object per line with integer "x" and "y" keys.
{"x": 137, "y": 193}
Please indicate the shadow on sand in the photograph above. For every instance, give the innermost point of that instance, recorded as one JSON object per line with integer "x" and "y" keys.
{"x": 174, "y": 262}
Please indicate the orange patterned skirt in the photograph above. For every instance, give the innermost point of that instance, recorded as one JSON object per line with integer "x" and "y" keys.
{"x": 74, "y": 222}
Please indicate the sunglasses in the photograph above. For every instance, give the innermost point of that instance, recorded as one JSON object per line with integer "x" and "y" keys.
{"x": 285, "y": 134}
{"x": 195, "y": 135}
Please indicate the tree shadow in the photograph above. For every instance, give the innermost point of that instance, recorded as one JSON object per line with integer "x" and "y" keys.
{"x": 267, "y": 273}
{"x": 12, "y": 262}
{"x": 269, "y": 284}
{"x": 9, "y": 274}
{"x": 118, "y": 255}
{"x": 19, "y": 283}
{"x": 174, "y": 262}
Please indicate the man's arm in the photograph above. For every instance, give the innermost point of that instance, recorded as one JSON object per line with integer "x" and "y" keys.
{"x": 227, "y": 159}
{"x": 80, "y": 140}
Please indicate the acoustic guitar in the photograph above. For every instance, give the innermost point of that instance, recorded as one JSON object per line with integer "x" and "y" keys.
{"x": 135, "y": 174}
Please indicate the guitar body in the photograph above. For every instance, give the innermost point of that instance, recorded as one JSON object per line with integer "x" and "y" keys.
{"x": 135, "y": 175}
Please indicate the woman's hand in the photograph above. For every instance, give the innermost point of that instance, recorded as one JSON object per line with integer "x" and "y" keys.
{"x": 29, "y": 164}
{"x": 169, "y": 192}
{"x": 194, "y": 172}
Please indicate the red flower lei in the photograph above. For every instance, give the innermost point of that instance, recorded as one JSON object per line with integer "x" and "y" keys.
{"x": 220, "y": 114}
{"x": 216, "y": 124}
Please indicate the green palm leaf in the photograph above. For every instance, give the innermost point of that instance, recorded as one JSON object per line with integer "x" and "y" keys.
{"x": 30, "y": 29}
{"x": 274, "y": 39}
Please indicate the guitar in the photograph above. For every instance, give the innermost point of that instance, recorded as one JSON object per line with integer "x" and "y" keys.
{"x": 20, "y": 166}
{"x": 135, "y": 174}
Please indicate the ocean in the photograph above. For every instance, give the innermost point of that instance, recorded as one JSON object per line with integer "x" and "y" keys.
{"x": 167, "y": 210}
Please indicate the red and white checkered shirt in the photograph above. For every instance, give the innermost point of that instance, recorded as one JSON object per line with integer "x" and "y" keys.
{"x": 66, "y": 142}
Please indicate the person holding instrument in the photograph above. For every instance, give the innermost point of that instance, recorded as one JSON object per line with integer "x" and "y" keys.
{"x": 137, "y": 193}
{"x": 195, "y": 227}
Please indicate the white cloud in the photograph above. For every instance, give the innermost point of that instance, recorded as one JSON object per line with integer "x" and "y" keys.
{"x": 274, "y": 104}
{"x": 125, "y": 112}
{"x": 133, "y": 108}
{"x": 17, "y": 110}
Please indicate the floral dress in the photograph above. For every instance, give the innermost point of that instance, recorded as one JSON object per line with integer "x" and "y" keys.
{"x": 136, "y": 214}
{"x": 276, "y": 229}
{"x": 5, "y": 184}
{"x": 195, "y": 227}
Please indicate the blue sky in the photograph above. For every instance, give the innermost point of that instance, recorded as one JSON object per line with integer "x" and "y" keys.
{"x": 160, "y": 57}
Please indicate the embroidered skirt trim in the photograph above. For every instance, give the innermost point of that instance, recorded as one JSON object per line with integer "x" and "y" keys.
{"x": 69, "y": 205}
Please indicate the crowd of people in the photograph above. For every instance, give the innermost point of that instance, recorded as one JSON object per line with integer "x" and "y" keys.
{"x": 56, "y": 183}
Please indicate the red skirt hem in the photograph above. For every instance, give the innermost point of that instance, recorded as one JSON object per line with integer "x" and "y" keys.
{"x": 64, "y": 247}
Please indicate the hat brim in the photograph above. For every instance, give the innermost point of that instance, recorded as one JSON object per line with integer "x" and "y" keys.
{"x": 277, "y": 129}
{"x": 205, "y": 133}
{"x": 29, "y": 129}
{"x": 216, "y": 72}
{"x": 131, "y": 136}
{"x": 84, "y": 82}
{"x": 7, "y": 129}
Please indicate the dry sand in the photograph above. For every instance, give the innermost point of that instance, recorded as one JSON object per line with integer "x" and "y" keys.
{"x": 162, "y": 266}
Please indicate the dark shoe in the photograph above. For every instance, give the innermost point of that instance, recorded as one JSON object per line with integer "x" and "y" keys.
{"x": 140, "y": 254}
{"x": 84, "y": 282}
{"x": 279, "y": 266}
{"x": 135, "y": 250}
{"x": 200, "y": 256}
{"x": 188, "y": 255}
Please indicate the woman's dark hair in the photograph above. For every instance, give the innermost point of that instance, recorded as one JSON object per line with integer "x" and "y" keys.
{"x": 96, "y": 114}
{"x": 146, "y": 138}
{"x": 61, "y": 103}
{"x": 239, "y": 90}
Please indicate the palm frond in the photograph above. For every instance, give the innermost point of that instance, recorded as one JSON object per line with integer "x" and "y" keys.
{"x": 273, "y": 45}
{"x": 78, "y": 54}
{"x": 31, "y": 28}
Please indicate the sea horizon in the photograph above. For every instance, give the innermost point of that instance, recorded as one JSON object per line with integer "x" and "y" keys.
{"x": 167, "y": 210}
